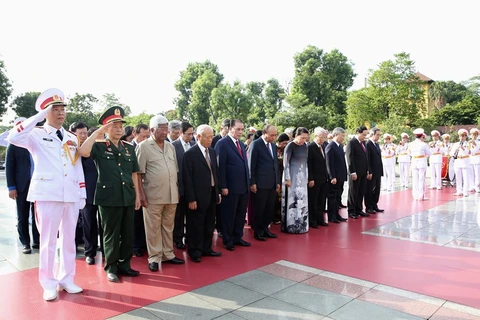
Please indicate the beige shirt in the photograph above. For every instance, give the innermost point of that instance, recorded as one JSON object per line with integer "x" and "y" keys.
{"x": 159, "y": 169}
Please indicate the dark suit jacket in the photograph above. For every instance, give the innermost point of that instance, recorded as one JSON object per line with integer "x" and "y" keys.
{"x": 197, "y": 177}
{"x": 215, "y": 140}
{"x": 91, "y": 176}
{"x": 375, "y": 166}
{"x": 18, "y": 168}
{"x": 233, "y": 169}
{"x": 317, "y": 164}
{"x": 179, "y": 150}
{"x": 264, "y": 171}
{"x": 356, "y": 158}
{"x": 336, "y": 166}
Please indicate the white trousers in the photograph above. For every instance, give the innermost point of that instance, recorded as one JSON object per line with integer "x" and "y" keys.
{"x": 461, "y": 177}
{"x": 418, "y": 183}
{"x": 388, "y": 178}
{"x": 404, "y": 173}
{"x": 436, "y": 175}
{"x": 476, "y": 180}
{"x": 52, "y": 218}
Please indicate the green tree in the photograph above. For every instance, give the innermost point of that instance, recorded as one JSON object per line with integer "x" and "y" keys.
{"x": 473, "y": 85}
{"x": 202, "y": 77}
{"x": 231, "y": 101}
{"x": 463, "y": 112}
{"x": 308, "y": 117}
{"x": 81, "y": 108}
{"x": 109, "y": 100}
{"x": 170, "y": 114}
{"x": 322, "y": 80}
{"x": 138, "y": 119}
{"x": 5, "y": 88}
{"x": 24, "y": 104}
{"x": 274, "y": 97}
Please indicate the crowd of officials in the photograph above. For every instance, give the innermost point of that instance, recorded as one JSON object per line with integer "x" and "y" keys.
{"x": 149, "y": 188}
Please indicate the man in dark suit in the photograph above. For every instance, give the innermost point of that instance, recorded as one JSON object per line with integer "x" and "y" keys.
{"x": 375, "y": 167}
{"x": 202, "y": 193}
{"x": 182, "y": 145}
{"x": 357, "y": 166}
{"x": 140, "y": 134}
{"x": 174, "y": 130}
{"x": 234, "y": 182}
{"x": 337, "y": 173}
{"x": 264, "y": 181}
{"x": 317, "y": 179}
{"x": 223, "y": 132}
{"x": 19, "y": 169}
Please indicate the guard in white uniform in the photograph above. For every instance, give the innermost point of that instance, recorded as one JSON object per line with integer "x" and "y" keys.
{"x": 57, "y": 188}
{"x": 436, "y": 154}
{"x": 474, "y": 146}
{"x": 389, "y": 162}
{"x": 419, "y": 152}
{"x": 447, "y": 147}
{"x": 461, "y": 154}
{"x": 404, "y": 161}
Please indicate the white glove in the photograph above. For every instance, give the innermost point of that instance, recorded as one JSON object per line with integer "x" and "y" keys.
{"x": 82, "y": 203}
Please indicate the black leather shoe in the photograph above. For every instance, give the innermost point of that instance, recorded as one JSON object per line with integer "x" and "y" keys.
{"x": 212, "y": 254}
{"x": 195, "y": 259}
{"x": 342, "y": 206}
{"x": 153, "y": 266}
{"x": 26, "y": 250}
{"x": 138, "y": 252}
{"x": 229, "y": 247}
{"x": 259, "y": 237}
{"x": 353, "y": 216}
{"x": 270, "y": 235}
{"x": 242, "y": 243}
{"x": 371, "y": 211}
{"x": 334, "y": 221}
{"x": 35, "y": 246}
{"x": 175, "y": 260}
{"x": 112, "y": 277}
{"x": 129, "y": 273}
{"x": 90, "y": 260}
{"x": 314, "y": 226}
{"x": 341, "y": 219}
{"x": 324, "y": 224}
{"x": 180, "y": 245}
{"x": 378, "y": 210}
{"x": 363, "y": 214}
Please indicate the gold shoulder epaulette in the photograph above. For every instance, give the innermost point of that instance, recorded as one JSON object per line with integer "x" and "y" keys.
{"x": 101, "y": 140}
{"x": 128, "y": 143}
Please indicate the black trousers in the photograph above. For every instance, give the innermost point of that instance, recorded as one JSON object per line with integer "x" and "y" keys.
{"x": 139, "y": 240}
{"x": 317, "y": 198}
{"x": 179, "y": 226}
{"x": 372, "y": 192}
{"x": 218, "y": 218}
{"x": 233, "y": 210}
{"x": 264, "y": 204}
{"x": 200, "y": 226}
{"x": 333, "y": 202}
{"x": 23, "y": 213}
{"x": 356, "y": 192}
{"x": 92, "y": 229}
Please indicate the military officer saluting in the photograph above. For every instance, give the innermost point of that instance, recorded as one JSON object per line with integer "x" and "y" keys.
{"x": 116, "y": 195}
{"x": 57, "y": 188}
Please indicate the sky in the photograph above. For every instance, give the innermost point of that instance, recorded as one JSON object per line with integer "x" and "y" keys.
{"x": 136, "y": 49}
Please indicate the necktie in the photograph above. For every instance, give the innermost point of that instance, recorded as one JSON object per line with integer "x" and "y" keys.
{"x": 239, "y": 149}
{"x": 186, "y": 146}
{"x": 59, "y": 135}
{"x": 321, "y": 150}
{"x": 269, "y": 146}
{"x": 207, "y": 157}
{"x": 363, "y": 147}
{"x": 378, "y": 147}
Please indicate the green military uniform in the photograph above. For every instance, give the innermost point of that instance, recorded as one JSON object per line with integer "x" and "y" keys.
{"x": 115, "y": 197}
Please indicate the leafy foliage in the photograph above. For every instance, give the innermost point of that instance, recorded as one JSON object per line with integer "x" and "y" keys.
{"x": 5, "y": 88}
{"x": 109, "y": 100}
{"x": 24, "y": 104}
{"x": 81, "y": 108}
{"x": 138, "y": 119}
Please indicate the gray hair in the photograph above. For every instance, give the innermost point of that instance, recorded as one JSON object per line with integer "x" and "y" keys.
{"x": 202, "y": 128}
{"x": 373, "y": 131}
{"x": 319, "y": 130}
{"x": 175, "y": 125}
{"x": 338, "y": 131}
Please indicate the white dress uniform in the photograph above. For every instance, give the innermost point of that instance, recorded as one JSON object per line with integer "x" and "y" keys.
{"x": 436, "y": 155}
{"x": 461, "y": 154}
{"x": 58, "y": 190}
{"x": 419, "y": 152}
{"x": 404, "y": 164}
{"x": 389, "y": 162}
{"x": 475, "y": 163}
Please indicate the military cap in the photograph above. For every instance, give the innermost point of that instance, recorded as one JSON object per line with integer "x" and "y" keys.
{"x": 462, "y": 131}
{"x": 435, "y": 133}
{"x": 404, "y": 134}
{"x": 418, "y": 131}
{"x": 48, "y": 97}
{"x": 114, "y": 114}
